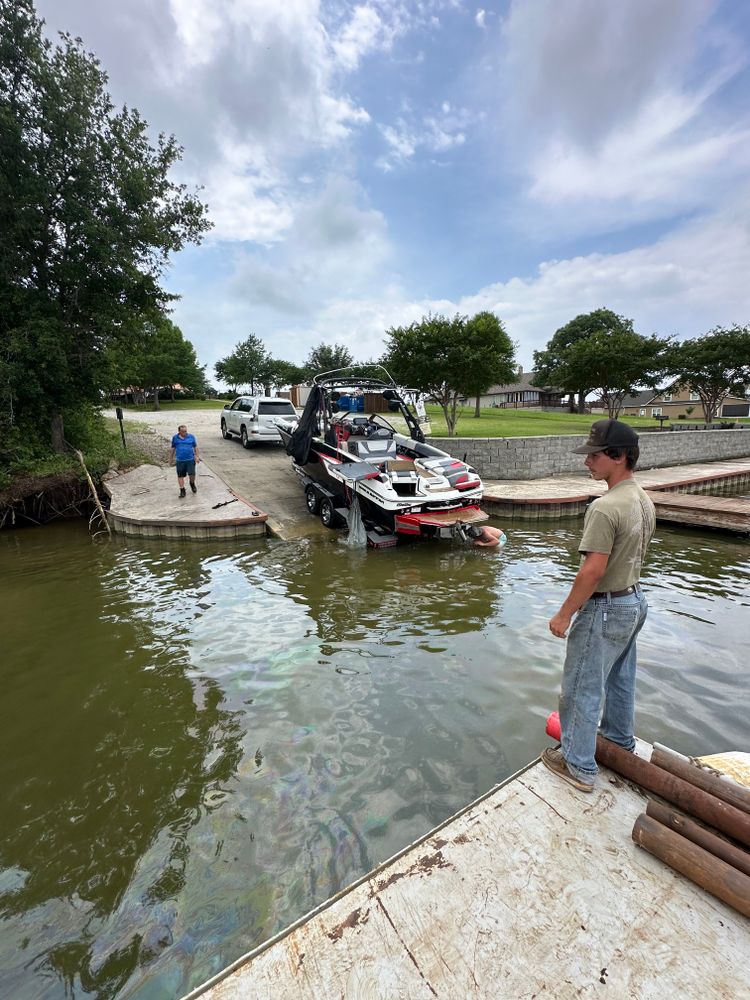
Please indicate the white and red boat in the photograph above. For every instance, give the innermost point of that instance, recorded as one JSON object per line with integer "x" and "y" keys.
{"x": 404, "y": 487}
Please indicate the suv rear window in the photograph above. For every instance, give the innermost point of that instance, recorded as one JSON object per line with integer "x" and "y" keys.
{"x": 283, "y": 406}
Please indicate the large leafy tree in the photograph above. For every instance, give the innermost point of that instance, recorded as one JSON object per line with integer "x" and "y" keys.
{"x": 158, "y": 356}
{"x": 559, "y": 364}
{"x": 327, "y": 357}
{"x": 490, "y": 354}
{"x": 281, "y": 373}
{"x": 714, "y": 365}
{"x": 230, "y": 371}
{"x": 88, "y": 219}
{"x": 248, "y": 364}
{"x": 447, "y": 358}
{"x": 616, "y": 361}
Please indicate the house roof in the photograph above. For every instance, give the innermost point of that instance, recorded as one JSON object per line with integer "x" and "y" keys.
{"x": 523, "y": 384}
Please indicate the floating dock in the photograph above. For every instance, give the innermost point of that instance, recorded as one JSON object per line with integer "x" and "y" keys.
{"x": 534, "y": 890}
{"x": 146, "y": 502}
{"x": 568, "y": 496}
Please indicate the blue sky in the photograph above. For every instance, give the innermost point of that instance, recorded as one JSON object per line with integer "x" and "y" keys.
{"x": 365, "y": 164}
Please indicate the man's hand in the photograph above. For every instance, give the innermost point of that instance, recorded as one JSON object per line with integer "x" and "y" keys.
{"x": 559, "y": 624}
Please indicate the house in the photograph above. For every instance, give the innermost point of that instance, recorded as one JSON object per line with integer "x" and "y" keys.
{"x": 520, "y": 394}
{"x": 676, "y": 401}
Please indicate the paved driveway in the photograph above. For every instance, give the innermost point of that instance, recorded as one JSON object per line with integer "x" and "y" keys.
{"x": 262, "y": 475}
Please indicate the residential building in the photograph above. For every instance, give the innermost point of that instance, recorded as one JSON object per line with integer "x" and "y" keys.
{"x": 520, "y": 394}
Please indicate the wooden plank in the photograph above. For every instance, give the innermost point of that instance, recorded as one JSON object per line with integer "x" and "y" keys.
{"x": 534, "y": 890}
{"x": 729, "y": 513}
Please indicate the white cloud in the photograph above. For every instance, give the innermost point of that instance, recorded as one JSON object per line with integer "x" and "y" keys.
{"x": 683, "y": 284}
{"x": 613, "y": 112}
{"x": 362, "y": 33}
{"x": 481, "y": 18}
{"x": 434, "y": 133}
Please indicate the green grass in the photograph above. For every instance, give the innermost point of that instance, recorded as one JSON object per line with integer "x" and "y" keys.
{"x": 520, "y": 423}
{"x": 179, "y": 404}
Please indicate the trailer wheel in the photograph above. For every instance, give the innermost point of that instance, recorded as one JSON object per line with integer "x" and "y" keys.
{"x": 312, "y": 500}
{"x": 328, "y": 514}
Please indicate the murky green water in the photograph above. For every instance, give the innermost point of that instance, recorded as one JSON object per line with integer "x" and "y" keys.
{"x": 200, "y": 743}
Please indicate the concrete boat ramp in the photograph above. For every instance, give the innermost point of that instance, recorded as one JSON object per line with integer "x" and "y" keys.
{"x": 146, "y": 502}
{"x": 534, "y": 890}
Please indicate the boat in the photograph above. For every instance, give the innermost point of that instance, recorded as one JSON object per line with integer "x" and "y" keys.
{"x": 402, "y": 487}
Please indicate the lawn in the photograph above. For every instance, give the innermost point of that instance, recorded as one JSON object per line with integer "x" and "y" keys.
{"x": 179, "y": 404}
{"x": 521, "y": 423}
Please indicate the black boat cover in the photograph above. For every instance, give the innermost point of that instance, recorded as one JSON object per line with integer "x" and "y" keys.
{"x": 298, "y": 445}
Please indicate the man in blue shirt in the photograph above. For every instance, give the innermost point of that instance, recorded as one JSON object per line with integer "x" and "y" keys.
{"x": 184, "y": 455}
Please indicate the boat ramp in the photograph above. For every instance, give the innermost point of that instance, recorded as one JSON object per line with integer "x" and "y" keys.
{"x": 534, "y": 890}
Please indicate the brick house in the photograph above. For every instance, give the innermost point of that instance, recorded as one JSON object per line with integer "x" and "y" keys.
{"x": 675, "y": 400}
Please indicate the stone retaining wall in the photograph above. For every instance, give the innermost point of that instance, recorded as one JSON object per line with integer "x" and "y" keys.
{"x": 536, "y": 457}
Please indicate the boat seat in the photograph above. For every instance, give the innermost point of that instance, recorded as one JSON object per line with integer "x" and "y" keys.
{"x": 372, "y": 449}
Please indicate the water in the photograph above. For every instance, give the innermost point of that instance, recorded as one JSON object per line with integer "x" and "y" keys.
{"x": 201, "y": 742}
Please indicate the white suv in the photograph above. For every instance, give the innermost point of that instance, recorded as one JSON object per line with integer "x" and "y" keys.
{"x": 254, "y": 418}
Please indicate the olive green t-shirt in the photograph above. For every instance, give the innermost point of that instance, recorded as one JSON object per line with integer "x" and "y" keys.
{"x": 620, "y": 524}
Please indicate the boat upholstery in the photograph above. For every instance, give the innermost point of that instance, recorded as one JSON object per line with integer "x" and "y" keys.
{"x": 373, "y": 450}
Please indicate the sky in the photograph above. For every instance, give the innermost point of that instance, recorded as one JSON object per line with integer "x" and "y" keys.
{"x": 366, "y": 164}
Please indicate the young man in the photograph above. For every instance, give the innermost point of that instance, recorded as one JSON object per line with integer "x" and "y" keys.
{"x": 490, "y": 537}
{"x": 184, "y": 455}
{"x": 600, "y": 660}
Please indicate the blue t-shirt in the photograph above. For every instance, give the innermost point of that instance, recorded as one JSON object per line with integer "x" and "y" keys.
{"x": 184, "y": 448}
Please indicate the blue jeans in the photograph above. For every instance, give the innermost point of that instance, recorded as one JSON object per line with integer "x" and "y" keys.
{"x": 600, "y": 663}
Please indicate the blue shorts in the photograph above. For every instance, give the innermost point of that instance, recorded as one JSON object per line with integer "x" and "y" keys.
{"x": 185, "y": 469}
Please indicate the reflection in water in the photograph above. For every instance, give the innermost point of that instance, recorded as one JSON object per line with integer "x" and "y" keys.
{"x": 202, "y": 744}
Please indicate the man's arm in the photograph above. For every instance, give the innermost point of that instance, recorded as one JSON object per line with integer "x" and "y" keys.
{"x": 584, "y": 585}
{"x": 196, "y": 452}
{"x": 172, "y": 453}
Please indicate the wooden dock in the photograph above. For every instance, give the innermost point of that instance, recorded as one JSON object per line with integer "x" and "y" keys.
{"x": 726, "y": 513}
{"x": 568, "y": 496}
{"x": 145, "y": 502}
{"x": 535, "y": 890}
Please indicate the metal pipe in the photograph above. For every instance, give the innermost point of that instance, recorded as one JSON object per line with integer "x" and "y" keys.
{"x": 699, "y": 835}
{"x": 676, "y": 763}
{"x": 681, "y": 793}
{"x": 710, "y": 873}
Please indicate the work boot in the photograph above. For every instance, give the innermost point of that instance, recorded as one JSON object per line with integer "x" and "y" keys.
{"x": 193, "y": 487}
{"x": 554, "y": 760}
{"x": 182, "y": 492}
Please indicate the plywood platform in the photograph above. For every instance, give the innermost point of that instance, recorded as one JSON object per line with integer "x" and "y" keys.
{"x": 146, "y": 502}
{"x": 535, "y": 890}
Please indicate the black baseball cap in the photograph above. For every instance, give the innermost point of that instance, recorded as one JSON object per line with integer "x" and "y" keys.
{"x": 608, "y": 434}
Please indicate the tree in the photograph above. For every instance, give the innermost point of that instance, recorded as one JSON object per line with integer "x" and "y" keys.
{"x": 714, "y": 365}
{"x": 158, "y": 356}
{"x": 230, "y": 371}
{"x": 281, "y": 373}
{"x": 326, "y": 358}
{"x": 248, "y": 363}
{"x": 88, "y": 217}
{"x": 449, "y": 358}
{"x": 555, "y": 365}
{"x": 493, "y": 354}
{"x": 616, "y": 361}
